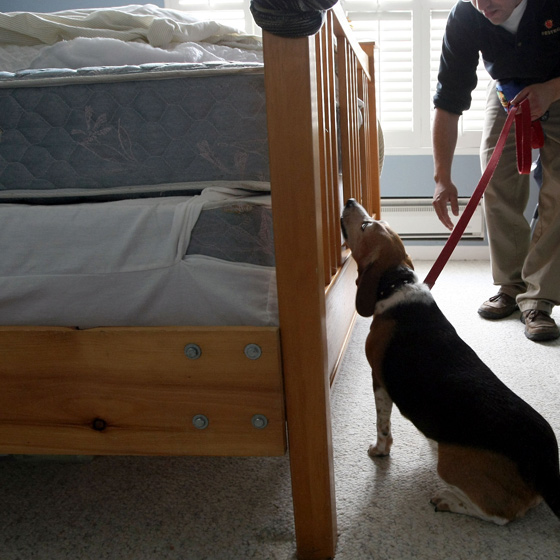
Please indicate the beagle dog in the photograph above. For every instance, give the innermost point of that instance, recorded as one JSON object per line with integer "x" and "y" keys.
{"x": 498, "y": 456}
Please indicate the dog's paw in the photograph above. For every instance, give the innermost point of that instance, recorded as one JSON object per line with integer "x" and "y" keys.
{"x": 378, "y": 451}
{"x": 457, "y": 502}
{"x": 440, "y": 502}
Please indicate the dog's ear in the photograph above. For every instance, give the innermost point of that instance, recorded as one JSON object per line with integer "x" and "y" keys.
{"x": 366, "y": 295}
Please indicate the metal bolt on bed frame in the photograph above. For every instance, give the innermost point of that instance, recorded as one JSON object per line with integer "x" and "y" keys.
{"x": 259, "y": 421}
{"x": 193, "y": 351}
{"x": 253, "y": 351}
{"x": 200, "y": 421}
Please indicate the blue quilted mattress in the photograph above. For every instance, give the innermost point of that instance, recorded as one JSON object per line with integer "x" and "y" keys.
{"x": 110, "y": 133}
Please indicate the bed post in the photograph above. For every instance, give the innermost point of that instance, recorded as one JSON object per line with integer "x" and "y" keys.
{"x": 290, "y": 83}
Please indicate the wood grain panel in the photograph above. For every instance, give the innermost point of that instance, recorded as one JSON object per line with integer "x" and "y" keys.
{"x": 134, "y": 391}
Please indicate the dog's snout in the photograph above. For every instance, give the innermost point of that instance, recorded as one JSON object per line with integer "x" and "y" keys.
{"x": 350, "y": 203}
{"x": 349, "y": 215}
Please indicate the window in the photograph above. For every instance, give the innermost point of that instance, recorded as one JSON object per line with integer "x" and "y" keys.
{"x": 408, "y": 35}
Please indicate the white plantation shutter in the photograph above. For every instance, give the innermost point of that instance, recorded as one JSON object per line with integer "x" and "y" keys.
{"x": 408, "y": 35}
{"x": 393, "y": 33}
{"x": 395, "y": 70}
{"x": 473, "y": 119}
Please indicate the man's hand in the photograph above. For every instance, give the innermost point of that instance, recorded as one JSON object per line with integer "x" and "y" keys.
{"x": 540, "y": 96}
{"x": 444, "y": 195}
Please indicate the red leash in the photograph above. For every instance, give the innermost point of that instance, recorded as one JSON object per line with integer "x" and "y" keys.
{"x": 528, "y": 135}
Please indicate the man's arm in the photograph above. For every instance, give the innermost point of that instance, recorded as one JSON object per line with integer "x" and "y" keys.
{"x": 444, "y": 141}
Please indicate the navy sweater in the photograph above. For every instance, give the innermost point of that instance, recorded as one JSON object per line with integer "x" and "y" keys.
{"x": 532, "y": 55}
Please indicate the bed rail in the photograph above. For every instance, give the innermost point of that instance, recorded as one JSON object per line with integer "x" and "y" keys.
{"x": 141, "y": 391}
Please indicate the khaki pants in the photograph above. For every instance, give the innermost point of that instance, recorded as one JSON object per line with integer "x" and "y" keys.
{"x": 524, "y": 267}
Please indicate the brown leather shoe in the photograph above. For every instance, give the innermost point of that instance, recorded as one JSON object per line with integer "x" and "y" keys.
{"x": 539, "y": 325}
{"x": 497, "y": 307}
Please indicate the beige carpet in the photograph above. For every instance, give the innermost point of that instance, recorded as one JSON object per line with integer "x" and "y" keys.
{"x": 137, "y": 508}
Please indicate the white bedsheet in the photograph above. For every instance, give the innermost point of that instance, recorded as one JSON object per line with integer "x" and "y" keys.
{"x": 157, "y": 26}
{"x": 129, "y": 35}
{"x": 123, "y": 263}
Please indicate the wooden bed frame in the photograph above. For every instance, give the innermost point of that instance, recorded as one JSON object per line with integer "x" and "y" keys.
{"x": 231, "y": 390}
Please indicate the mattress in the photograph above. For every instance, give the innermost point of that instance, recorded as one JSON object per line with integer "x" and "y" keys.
{"x": 153, "y": 124}
{"x": 201, "y": 260}
{"x": 131, "y": 96}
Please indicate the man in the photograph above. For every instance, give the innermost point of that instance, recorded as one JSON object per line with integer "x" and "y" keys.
{"x": 519, "y": 41}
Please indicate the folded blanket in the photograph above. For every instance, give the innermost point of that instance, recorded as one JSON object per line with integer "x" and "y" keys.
{"x": 290, "y": 18}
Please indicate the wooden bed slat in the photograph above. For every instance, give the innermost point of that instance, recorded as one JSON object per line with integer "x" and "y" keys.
{"x": 328, "y": 145}
{"x": 134, "y": 391}
{"x": 360, "y": 149}
{"x": 369, "y": 139}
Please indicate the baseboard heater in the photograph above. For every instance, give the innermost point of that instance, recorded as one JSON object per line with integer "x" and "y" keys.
{"x": 415, "y": 218}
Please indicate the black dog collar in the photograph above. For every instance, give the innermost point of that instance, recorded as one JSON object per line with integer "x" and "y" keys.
{"x": 394, "y": 279}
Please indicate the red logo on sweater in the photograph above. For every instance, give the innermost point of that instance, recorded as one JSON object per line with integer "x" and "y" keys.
{"x": 548, "y": 24}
